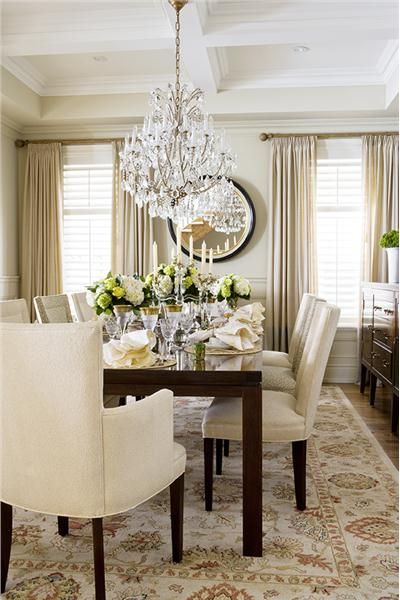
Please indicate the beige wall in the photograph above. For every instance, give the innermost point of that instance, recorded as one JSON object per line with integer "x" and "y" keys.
{"x": 8, "y": 216}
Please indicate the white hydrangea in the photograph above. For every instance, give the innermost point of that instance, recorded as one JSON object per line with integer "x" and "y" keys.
{"x": 241, "y": 286}
{"x": 165, "y": 284}
{"x": 91, "y": 299}
{"x": 133, "y": 290}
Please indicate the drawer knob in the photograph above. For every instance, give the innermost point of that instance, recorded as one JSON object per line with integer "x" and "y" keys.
{"x": 386, "y": 363}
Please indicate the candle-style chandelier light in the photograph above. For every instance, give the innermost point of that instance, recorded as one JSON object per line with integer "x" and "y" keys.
{"x": 178, "y": 164}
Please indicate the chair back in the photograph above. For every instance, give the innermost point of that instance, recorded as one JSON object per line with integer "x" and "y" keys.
{"x": 53, "y": 309}
{"x": 306, "y": 304}
{"x": 308, "y": 318}
{"x": 82, "y": 309}
{"x": 314, "y": 360}
{"x": 14, "y": 311}
{"x": 51, "y": 402}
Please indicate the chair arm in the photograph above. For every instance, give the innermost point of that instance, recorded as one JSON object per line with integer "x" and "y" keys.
{"x": 138, "y": 451}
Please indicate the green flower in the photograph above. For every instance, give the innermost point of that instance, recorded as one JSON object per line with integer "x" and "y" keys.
{"x": 225, "y": 291}
{"x": 149, "y": 280}
{"x": 104, "y": 300}
{"x": 227, "y": 281}
{"x": 110, "y": 283}
{"x": 193, "y": 270}
{"x": 118, "y": 291}
{"x": 169, "y": 270}
{"x": 187, "y": 282}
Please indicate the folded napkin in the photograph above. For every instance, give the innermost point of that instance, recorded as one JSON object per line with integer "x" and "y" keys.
{"x": 200, "y": 336}
{"x": 132, "y": 350}
{"x": 253, "y": 314}
{"x": 237, "y": 334}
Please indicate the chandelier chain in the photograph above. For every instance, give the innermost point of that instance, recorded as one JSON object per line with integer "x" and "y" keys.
{"x": 177, "y": 56}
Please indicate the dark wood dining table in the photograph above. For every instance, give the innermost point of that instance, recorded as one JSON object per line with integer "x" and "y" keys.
{"x": 227, "y": 376}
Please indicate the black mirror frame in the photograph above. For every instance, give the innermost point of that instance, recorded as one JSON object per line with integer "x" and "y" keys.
{"x": 246, "y": 240}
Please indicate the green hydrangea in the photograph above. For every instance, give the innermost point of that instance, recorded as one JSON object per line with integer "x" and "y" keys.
{"x": 110, "y": 283}
{"x": 225, "y": 291}
{"x": 187, "y": 282}
{"x": 149, "y": 280}
{"x": 104, "y": 300}
{"x": 169, "y": 270}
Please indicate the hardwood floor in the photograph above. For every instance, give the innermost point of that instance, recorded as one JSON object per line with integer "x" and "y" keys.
{"x": 377, "y": 418}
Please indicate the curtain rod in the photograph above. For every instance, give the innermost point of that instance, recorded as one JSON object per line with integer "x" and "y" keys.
{"x": 264, "y": 137}
{"x": 78, "y": 142}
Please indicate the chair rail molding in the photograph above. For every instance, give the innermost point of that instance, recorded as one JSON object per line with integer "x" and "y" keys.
{"x": 9, "y": 287}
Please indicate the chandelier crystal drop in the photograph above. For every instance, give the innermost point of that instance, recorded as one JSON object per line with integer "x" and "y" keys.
{"x": 177, "y": 164}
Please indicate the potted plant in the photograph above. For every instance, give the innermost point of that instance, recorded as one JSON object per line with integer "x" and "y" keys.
{"x": 390, "y": 241}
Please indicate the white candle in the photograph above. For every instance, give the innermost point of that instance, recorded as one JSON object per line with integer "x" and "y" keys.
{"x": 234, "y": 240}
{"x": 155, "y": 258}
{"x": 191, "y": 249}
{"x": 179, "y": 244}
{"x": 210, "y": 265}
{"x": 173, "y": 254}
{"x": 203, "y": 257}
{"x": 227, "y": 244}
{"x": 218, "y": 249}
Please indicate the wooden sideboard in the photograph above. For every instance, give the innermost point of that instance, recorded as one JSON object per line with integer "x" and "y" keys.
{"x": 379, "y": 341}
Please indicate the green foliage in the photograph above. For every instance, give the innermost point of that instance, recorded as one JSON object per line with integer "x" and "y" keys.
{"x": 390, "y": 239}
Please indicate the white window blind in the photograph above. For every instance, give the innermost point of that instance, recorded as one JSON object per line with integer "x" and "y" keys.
{"x": 339, "y": 213}
{"x": 87, "y": 194}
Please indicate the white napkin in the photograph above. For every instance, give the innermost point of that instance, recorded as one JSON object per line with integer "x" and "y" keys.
{"x": 200, "y": 336}
{"x": 253, "y": 314}
{"x": 132, "y": 350}
{"x": 237, "y": 334}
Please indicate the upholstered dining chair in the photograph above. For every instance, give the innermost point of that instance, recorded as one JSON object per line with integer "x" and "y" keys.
{"x": 82, "y": 309}
{"x": 286, "y": 417}
{"x": 63, "y": 453}
{"x": 283, "y": 378}
{"x": 14, "y": 311}
{"x": 53, "y": 309}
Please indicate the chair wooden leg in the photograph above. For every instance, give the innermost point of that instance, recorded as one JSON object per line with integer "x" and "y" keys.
{"x": 6, "y": 536}
{"x": 176, "y": 493}
{"x": 299, "y": 453}
{"x": 218, "y": 456}
{"x": 363, "y": 377}
{"x": 63, "y": 526}
{"x": 208, "y": 471}
{"x": 226, "y": 447}
{"x": 98, "y": 554}
{"x": 395, "y": 413}
{"x": 122, "y": 401}
{"x": 372, "y": 389}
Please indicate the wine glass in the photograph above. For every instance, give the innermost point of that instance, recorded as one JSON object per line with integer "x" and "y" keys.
{"x": 123, "y": 313}
{"x": 112, "y": 328}
{"x": 168, "y": 332}
{"x": 149, "y": 316}
{"x": 173, "y": 313}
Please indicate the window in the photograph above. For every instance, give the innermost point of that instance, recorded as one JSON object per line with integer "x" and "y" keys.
{"x": 87, "y": 207}
{"x": 339, "y": 213}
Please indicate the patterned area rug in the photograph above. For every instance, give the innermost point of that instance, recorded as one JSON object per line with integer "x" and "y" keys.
{"x": 343, "y": 546}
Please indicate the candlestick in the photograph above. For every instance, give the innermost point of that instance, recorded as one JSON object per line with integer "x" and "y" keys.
{"x": 227, "y": 243}
{"x": 203, "y": 257}
{"x": 234, "y": 240}
{"x": 178, "y": 244}
{"x": 173, "y": 254}
{"x": 218, "y": 249}
{"x": 155, "y": 258}
{"x": 191, "y": 249}
{"x": 210, "y": 265}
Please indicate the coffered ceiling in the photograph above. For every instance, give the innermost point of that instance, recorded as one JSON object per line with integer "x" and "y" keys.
{"x": 99, "y": 47}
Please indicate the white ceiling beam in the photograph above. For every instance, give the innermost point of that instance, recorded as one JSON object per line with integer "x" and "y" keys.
{"x": 194, "y": 52}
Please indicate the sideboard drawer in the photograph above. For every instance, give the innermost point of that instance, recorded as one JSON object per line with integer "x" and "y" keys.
{"x": 382, "y": 361}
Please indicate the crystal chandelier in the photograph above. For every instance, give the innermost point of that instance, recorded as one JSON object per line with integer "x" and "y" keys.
{"x": 177, "y": 164}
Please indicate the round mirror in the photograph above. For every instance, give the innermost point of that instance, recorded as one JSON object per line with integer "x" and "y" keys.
{"x": 224, "y": 246}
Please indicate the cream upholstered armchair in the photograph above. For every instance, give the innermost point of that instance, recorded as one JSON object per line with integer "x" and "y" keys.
{"x": 286, "y": 417}
{"x": 282, "y": 377}
{"x": 53, "y": 309}
{"x": 63, "y": 453}
{"x": 82, "y": 309}
{"x": 14, "y": 311}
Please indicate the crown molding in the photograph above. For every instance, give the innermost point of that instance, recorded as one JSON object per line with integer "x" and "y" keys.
{"x": 23, "y": 70}
{"x": 10, "y": 128}
{"x": 388, "y": 63}
{"x": 251, "y": 127}
{"x": 86, "y": 86}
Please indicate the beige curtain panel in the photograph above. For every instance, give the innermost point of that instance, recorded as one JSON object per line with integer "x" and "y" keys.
{"x": 291, "y": 259}
{"x": 132, "y": 232}
{"x": 40, "y": 248}
{"x": 380, "y": 163}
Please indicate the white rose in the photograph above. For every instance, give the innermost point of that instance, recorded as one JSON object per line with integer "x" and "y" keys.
{"x": 133, "y": 290}
{"x": 91, "y": 299}
{"x": 165, "y": 284}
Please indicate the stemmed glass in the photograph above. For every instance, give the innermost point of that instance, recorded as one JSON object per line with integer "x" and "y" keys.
{"x": 123, "y": 313}
{"x": 168, "y": 332}
{"x": 149, "y": 316}
{"x": 112, "y": 328}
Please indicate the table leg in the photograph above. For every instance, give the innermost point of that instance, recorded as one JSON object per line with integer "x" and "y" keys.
{"x": 252, "y": 470}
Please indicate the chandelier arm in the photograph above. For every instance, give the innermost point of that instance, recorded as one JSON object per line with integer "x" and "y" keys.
{"x": 204, "y": 150}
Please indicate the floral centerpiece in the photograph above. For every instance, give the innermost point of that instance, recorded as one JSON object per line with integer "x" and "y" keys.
{"x": 165, "y": 280}
{"x": 104, "y": 294}
{"x": 231, "y": 288}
